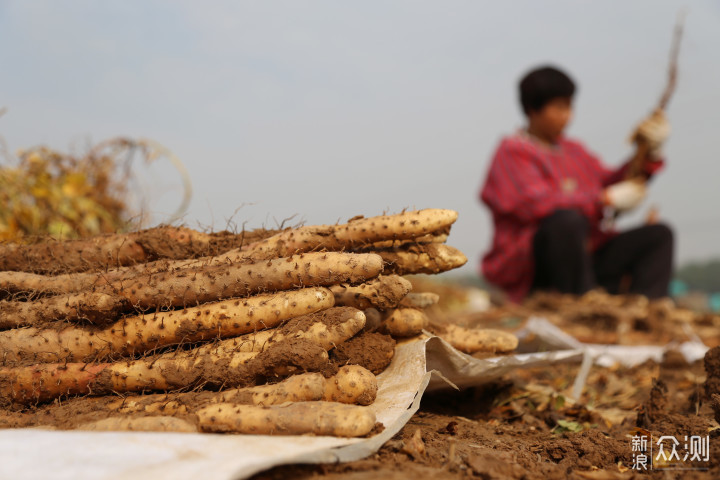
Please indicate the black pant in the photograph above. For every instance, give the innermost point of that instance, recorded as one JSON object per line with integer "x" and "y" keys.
{"x": 563, "y": 261}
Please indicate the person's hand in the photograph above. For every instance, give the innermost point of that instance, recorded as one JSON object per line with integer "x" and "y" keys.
{"x": 624, "y": 196}
{"x": 654, "y": 130}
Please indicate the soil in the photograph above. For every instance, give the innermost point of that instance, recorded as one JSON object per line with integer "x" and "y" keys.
{"x": 524, "y": 427}
{"x": 371, "y": 350}
{"x": 712, "y": 369}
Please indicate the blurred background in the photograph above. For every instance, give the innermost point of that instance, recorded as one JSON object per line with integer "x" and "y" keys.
{"x": 316, "y": 111}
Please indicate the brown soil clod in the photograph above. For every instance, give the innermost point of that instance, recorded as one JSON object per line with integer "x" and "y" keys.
{"x": 712, "y": 368}
{"x": 651, "y": 410}
{"x": 370, "y": 350}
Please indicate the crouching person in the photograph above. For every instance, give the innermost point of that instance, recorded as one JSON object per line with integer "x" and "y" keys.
{"x": 553, "y": 202}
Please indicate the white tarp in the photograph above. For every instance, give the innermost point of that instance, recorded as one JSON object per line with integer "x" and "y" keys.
{"x": 539, "y": 334}
{"x": 420, "y": 365}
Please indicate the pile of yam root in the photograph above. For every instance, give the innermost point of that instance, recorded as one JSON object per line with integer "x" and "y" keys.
{"x": 264, "y": 332}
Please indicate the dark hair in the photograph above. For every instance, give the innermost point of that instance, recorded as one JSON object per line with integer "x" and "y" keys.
{"x": 542, "y": 85}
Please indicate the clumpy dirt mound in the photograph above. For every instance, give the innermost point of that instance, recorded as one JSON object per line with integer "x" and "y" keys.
{"x": 716, "y": 406}
{"x": 585, "y": 449}
{"x": 712, "y": 368}
{"x": 373, "y": 351}
{"x": 296, "y": 355}
{"x": 654, "y": 408}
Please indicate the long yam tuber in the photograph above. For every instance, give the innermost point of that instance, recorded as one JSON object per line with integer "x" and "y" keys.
{"x": 319, "y": 418}
{"x": 327, "y": 328}
{"x": 303, "y": 387}
{"x": 170, "y": 371}
{"x": 154, "y": 423}
{"x": 104, "y": 250}
{"x": 141, "y": 333}
{"x": 355, "y": 233}
{"x": 93, "y": 307}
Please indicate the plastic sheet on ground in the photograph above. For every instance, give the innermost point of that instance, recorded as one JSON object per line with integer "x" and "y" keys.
{"x": 80, "y": 455}
{"x": 539, "y": 334}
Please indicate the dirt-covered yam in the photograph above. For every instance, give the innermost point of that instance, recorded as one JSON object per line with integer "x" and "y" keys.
{"x": 104, "y": 251}
{"x": 318, "y": 418}
{"x": 138, "y": 334}
{"x": 383, "y": 292}
{"x": 170, "y": 371}
{"x": 190, "y": 287}
{"x": 304, "y": 387}
{"x": 430, "y": 258}
{"x": 94, "y": 307}
{"x": 357, "y": 232}
{"x": 327, "y": 328}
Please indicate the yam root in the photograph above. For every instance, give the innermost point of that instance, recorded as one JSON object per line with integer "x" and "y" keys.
{"x": 207, "y": 284}
{"x": 405, "y": 322}
{"x": 420, "y": 300}
{"x": 26, "y": 284}
{"x": 435, "y": 237}
{"x": 23, "y": 284}
{"x": 93, "y": 307}
{"x": 192, "y": 286}
{"x": 327, "y": 328}
{"x": 303, "y": 387}
{"x": 383, "y": 292}
{"x": 140, "y": 424}
{"x": 319, "y": 418}
{"x": 104, "y": 251}
{"x": 352, "y": 384}
{"x": 430, "y": 258}
{"x": 472, "y": 340}
{"x": 142, "y": 333}
{"x": 419, "y": 226}
{"x": 171, "y": 371}
{"x": 357, "y": 232}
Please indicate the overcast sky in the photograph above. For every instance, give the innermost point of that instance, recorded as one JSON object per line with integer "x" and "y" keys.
{"x": 329, "y": 109}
